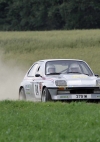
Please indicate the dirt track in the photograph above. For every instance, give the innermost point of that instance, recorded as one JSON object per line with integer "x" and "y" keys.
{"x": 10, "y": 78}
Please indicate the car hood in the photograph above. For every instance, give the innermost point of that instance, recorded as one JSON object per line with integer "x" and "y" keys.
{"x": 77, "y": 79}
{"x": 80, "y": 80}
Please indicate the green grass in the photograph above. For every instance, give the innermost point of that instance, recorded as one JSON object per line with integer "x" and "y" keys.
{"x": 49, "y": 122}
{"x": 28, "y": 47}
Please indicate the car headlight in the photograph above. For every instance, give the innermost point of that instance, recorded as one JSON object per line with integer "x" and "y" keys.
{"x": 98, "y": 82}
{"x": 60, "y": 83}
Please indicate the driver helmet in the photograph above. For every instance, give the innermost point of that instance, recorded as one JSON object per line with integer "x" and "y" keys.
{"x": 74, "y": 68}
{"x": 50, "y": 69}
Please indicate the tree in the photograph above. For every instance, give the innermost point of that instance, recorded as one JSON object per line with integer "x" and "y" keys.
{"x": 49, "y": 14}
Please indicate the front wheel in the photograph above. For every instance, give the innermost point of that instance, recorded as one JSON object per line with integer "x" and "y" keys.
{"x": 22, "y": 94}
{"x": 45, "y": 95}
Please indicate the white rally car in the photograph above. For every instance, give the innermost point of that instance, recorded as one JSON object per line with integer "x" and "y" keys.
{"x": 59, "y": 79}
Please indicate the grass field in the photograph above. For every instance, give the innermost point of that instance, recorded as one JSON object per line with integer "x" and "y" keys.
{"x": 27, "y": 47}
{"x": 50, "y": 122}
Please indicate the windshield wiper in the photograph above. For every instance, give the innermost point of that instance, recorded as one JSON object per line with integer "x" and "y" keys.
{"x": 75, "y": 72}
{"x": 54, "y": 73}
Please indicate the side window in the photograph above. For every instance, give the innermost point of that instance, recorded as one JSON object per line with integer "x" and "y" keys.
{"x": 33, "y": 70}
{"x": 86, "y": 70}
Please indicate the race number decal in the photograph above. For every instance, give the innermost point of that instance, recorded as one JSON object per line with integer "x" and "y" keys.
{"x": 37, "y": 92}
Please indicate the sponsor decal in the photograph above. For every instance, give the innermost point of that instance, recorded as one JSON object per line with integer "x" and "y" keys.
{"x": 27, "y": 92}
{"x": 27, "y": 87}
{"x": 63, "y": 97}
{"x": 79, "y": 76}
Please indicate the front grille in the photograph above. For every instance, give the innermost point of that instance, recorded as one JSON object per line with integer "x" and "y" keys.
{"x": 82, "y": 91}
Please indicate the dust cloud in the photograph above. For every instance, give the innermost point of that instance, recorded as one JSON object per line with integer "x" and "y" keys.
{"x": 10, "y": 78}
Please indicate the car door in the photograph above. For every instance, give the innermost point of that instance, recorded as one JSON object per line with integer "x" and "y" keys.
{"x": 30, "y": 79}
{"x": 36, "y": 85}
{"x": 33, "y": 82}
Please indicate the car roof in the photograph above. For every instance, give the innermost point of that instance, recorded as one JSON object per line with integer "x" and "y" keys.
{"x": 46, "y": 60}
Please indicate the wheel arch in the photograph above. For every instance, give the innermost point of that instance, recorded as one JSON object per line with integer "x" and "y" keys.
{"x": 20, "y": 88}
{"x": 22, "y": 95}
{"x": 43, "y": 88}
{"x": 45, "y": 96}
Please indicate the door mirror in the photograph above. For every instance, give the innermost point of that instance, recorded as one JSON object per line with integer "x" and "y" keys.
{"x": 96, "y": 75}
{"x": 37, "y": 75}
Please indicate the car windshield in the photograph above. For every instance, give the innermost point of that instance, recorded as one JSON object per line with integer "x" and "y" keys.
{"x": 67, "y": 67}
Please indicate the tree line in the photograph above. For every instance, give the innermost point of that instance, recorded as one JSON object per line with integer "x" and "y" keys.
{"x": 49, "y": 14}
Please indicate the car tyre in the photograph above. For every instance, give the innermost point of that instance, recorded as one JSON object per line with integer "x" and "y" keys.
{"x": 45, "y": 95}
{"x": 22, "y": 94}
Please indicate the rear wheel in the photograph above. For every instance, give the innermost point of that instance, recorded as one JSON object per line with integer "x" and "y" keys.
{"x": 45, "y": 95}
{"x": 22, "y": 94}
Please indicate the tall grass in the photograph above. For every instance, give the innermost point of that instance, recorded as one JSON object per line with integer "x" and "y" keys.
{"x": 27, "y": 47}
